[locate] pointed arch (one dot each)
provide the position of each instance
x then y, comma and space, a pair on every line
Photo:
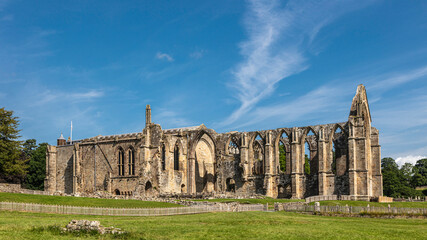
163, 156
176, 154
131, 160
121, 161
282, 151
232, 146
204, 169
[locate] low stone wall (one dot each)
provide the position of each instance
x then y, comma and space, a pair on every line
336, 197
383, 199
288, 205
16, 188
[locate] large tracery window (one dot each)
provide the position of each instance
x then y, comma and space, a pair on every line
233, 148
121, 163
176, 157
131, 162
258, 167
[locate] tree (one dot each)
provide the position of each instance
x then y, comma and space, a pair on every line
420, 173
406, 173
396, 182
29, 146
36, 168
391, 181
282, 157
12, 160
307, 165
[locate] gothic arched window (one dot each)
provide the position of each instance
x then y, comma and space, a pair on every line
163, 157
176, 157
121, 163
131, 162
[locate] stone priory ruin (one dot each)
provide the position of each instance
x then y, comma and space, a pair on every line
342, 159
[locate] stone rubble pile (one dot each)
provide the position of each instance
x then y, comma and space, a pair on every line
87, 225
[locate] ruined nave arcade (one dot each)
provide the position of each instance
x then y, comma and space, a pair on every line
331, 159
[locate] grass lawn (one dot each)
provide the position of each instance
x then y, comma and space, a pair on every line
82, 201
374, 204
270, 201
243, 225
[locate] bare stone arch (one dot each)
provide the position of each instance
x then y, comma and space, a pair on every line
205, 161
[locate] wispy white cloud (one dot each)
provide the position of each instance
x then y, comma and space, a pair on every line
275, 49
409, 159
322, 99
164, 56
392, 80
49, 96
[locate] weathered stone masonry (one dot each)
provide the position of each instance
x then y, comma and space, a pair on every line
198, 160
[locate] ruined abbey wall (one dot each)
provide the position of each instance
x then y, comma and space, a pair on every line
342, 159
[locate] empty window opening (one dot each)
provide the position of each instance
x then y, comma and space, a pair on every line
121, 163
131, 162
176, 157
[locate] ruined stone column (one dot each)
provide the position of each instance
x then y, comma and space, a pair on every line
191, 178
76, 167
377, 182
322, 156
244, 157
296, 165
271, 189
50, 181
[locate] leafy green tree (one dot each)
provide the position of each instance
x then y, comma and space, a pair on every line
391, 181
12, 162
307, 165
406, 173
29, 146
282, 157
36, 168
420, 173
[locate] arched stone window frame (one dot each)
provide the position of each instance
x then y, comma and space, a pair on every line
121, 161
286, 142
131, 160
312, 146
176, 156
331, 147
254, 162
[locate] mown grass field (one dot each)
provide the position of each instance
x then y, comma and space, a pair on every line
82, 201
374, 204
243, 225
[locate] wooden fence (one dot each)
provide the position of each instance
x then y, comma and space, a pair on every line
354, 210
58, 209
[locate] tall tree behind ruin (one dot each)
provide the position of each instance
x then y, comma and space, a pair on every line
36, 164
12, 159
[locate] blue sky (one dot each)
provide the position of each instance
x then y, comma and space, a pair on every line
232, 65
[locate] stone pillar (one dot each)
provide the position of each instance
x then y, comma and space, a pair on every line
352, 156
147, 115
76, 167
322, 155
270, 183
377, 183
296, 173
244, 157
191, 178
50, 181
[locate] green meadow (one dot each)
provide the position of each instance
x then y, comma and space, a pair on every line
243, 225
